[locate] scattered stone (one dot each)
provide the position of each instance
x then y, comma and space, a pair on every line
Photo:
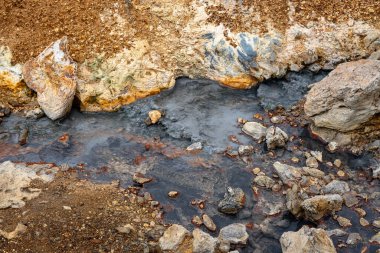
125, 229
140, 178
208, 222
68, 208
256, 130
195, 146
332, 146
35, 113
293, 201
233, 201
318, 206
53, 76
23, 137
311, 162
336, 187
154, 117
276, 138
256, 170
363, 222
203, 242
375, 239
350, 199
318, 155
344, 222
338, 163
173, 237
376, 223
234, 234
173, 194
20, 229
245, 150
288, 174
341, 173
295, 160
264, 181
353, 238
313, 172
307, 240
376, 173
277, 119
197, 221
337, 232
361, 212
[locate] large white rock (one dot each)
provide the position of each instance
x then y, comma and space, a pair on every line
173, 237
53, 76
307, 240
203, 242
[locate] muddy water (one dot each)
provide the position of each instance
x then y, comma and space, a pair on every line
113, 146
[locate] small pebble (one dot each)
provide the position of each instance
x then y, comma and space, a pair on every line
256, 171
363, 222
173, 194
338, 163
344, 222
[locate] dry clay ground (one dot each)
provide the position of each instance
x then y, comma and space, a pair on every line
73, 215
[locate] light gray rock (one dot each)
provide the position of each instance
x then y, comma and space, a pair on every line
336, 186
318, 155
287, 173
245, 150
256, 130
35, 113
312, 162
307, 240
203, 242
233, 201
375, 238
336, 232
173, 237
234, 234
318, 206
53, 76
195, 146
353, 238
276, 138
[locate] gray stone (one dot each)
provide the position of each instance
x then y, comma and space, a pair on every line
234, 234
318, 206
336, 232
35, 113
276, 138
287, 173
203, 242
233, 201
195, 146
336, 186
312, 162
318, 155
173, 237
353, 238
256, 130
245, 150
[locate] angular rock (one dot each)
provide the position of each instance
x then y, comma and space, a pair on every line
318, 155
336, 186
336, 232
312, 162
195, 146
276, 138
233, 234
20, 229
353, 238
203, 242
208, 222
245, 150
173, 237
344, 222
53, 76
233, 201
141, 178
154, 116
375, 239
256, 130
293, 201
287, 173
264, 181
307, 240
318, 206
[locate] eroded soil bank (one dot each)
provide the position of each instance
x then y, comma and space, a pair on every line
104, 147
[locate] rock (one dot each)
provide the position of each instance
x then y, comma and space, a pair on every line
336, 186
318, 206
53, 76
376, 223
154, 116
336, 232
195, 146
293, 201
264, 181
256, 130
277, 119
307, 240
173, 194
361, 212
337, 163
332, 146
318, 155
141, 179
346, 99
67, 208
256, 170
375, 239
208, 222
350, 199
233, 234
353, 238
245, 150
35, 113
15, 180
233, 201
313, 172
203, 242
276, 138
173, 237
20, 229
288, 174
125, 229
376, 173
363, 222
197, 221
344, 222
311, 162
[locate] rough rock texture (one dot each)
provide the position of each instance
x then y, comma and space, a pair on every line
345, 101
203, 242
173, 237
276, 138
318, 206
15, 180
234, 234
307, 240
287, 173
256, 130
53, 76
233, 201
131, 49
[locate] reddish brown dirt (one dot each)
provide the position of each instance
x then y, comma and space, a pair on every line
90, 226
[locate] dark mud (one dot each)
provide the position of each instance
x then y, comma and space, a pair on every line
109, 146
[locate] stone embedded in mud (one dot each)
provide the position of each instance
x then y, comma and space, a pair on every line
154, 117
345, 100
173, 237
256, 130
15, 180
233, 234
307, 240
203, 242
287, 173
141, 179
53, 76
336, 186
318, 206
276, 138
233, 201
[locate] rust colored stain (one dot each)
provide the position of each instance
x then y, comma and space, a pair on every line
240, 82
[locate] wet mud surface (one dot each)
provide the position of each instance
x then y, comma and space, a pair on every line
113, 146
